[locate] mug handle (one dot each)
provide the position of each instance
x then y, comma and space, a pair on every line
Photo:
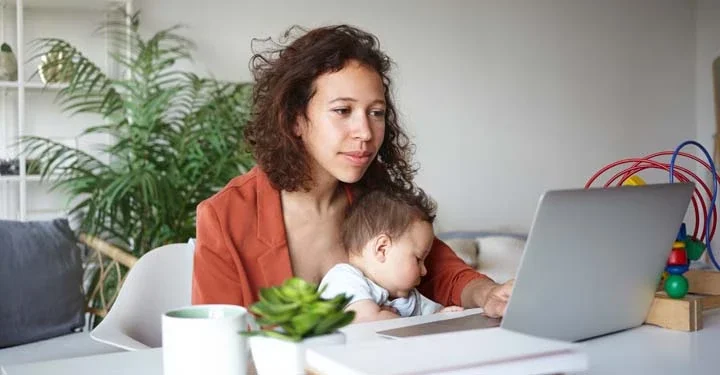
252, 324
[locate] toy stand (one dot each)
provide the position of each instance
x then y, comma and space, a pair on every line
685, 292
686, 314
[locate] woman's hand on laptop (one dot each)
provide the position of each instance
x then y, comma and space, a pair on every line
489, 295
497, 300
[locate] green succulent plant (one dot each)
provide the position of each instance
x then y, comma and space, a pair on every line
296, 310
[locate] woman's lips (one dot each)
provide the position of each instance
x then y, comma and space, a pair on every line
359, 158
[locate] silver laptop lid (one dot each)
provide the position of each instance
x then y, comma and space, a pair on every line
593, 259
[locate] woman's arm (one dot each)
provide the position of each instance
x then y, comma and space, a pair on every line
450, 281
217, 269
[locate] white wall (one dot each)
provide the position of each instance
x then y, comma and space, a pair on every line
504, 99
708, 48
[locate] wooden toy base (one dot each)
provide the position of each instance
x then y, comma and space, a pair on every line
686, 314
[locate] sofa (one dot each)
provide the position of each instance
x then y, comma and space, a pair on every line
495, 254
42, 300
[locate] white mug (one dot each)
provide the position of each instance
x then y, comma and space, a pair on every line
206, 339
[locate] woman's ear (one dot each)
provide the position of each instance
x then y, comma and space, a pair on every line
300, 125
381, 246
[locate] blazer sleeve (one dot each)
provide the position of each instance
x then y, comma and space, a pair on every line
447, 275
218, 273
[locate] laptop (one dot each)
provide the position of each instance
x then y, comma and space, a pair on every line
591, 265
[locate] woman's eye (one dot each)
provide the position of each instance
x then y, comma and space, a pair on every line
342, 111
378, 113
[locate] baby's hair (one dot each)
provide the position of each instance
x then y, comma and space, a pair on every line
377, 212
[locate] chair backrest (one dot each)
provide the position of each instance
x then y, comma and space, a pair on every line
158, 282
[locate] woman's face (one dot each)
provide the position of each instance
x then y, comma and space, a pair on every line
345, 123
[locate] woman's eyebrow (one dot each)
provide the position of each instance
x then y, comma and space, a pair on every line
349, 99
343, 99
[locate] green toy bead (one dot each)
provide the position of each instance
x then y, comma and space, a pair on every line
676, 286
694, 248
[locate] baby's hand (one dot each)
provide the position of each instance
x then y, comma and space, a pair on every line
389, 308
451, 309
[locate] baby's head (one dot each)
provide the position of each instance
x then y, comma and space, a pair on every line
388, 237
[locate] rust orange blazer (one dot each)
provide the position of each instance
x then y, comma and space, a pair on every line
241, 247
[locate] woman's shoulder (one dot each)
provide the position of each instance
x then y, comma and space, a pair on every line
242, 190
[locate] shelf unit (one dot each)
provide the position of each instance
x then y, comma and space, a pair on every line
27, 107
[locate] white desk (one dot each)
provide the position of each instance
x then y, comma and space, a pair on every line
643, 350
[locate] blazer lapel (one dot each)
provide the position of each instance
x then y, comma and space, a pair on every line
274, 262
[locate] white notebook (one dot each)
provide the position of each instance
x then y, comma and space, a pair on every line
480, 351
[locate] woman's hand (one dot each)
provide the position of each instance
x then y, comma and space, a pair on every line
489, 295
389, 308
496, 301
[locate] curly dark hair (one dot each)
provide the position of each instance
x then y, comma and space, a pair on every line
284, 77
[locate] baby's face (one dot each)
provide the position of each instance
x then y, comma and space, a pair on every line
405, 259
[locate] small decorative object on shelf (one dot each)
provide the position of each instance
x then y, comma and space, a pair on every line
33, 167
294, 317
56, 67
9, 167
8, 64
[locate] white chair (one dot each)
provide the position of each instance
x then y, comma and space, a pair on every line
159, 281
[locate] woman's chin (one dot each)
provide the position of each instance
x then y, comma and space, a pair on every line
350, 175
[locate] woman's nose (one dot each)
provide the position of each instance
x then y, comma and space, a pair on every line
361, 128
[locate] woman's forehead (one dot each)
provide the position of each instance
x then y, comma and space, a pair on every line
353, 82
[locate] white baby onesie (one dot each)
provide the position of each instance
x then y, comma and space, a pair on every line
348, 279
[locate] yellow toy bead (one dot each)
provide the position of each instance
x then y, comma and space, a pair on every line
634, 180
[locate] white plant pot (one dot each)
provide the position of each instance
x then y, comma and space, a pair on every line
273, 356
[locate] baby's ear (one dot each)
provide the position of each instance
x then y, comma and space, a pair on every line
380, 247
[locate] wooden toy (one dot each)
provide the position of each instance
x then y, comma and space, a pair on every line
684, 293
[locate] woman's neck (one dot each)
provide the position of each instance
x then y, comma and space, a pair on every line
320, 197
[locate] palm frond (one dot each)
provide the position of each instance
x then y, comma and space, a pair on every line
176, 137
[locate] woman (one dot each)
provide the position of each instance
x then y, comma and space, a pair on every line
324, 128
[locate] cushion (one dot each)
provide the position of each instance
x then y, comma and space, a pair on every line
41, 294
499, 256
465, 248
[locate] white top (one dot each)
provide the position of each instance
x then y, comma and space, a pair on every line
348, 279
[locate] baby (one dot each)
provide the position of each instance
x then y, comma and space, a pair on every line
387, 240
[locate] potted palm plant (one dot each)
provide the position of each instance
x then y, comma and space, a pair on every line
175, 137
294, 316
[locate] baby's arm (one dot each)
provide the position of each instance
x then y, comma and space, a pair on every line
451, 309
343, 278
368, 311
